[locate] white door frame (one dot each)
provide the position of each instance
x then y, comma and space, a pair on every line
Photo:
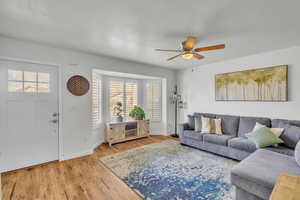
59, 67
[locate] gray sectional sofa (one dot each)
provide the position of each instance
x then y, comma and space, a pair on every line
256, 175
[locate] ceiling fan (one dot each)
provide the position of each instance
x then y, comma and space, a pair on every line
187, 50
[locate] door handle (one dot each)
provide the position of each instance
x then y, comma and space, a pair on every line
54, 121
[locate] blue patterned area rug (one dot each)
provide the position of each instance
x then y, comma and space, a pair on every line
170, 171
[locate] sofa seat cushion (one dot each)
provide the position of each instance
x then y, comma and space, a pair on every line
257, 173
242, 144
217, 139
282, 150
247, 124
193, 135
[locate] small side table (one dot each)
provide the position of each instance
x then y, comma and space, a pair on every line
287, 187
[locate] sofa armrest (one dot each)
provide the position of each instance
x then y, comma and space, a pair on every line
182, 127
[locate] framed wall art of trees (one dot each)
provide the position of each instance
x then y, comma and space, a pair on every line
265, 84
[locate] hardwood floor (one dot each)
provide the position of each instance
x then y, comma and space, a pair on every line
83, 178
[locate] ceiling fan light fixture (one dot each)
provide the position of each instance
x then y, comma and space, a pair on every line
188, 56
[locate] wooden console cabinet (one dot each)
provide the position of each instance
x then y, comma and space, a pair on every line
123, 131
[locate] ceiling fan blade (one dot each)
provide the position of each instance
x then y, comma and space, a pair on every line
168, 50
174, 57
198, 56
215, 47
189, 43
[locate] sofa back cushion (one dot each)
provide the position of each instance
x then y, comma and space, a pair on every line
290, 135
230, 124
208, 115
191, 122
247, 124
277, 122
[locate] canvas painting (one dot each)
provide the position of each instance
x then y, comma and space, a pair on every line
266, 84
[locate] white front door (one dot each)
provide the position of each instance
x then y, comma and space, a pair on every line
28, 114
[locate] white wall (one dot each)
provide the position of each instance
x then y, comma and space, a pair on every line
77, 134
198, 87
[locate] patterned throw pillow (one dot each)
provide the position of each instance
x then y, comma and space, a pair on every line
212, 126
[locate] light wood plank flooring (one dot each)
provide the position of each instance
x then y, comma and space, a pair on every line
83, 178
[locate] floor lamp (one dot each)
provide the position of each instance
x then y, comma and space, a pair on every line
176, 100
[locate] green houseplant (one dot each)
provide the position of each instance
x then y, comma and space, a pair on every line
137, 113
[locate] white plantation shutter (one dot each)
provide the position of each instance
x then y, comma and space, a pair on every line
153, 99
116, 94
124, 91
96, 99
131, 93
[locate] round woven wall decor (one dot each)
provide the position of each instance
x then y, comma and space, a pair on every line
78, 85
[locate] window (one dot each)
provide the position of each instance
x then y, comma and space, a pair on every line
131, 97
96, 99
124, 91
29, 82
153, 99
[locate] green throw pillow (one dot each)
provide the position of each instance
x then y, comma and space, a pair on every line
263, 137
198, 124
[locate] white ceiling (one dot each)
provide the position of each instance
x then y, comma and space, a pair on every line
132, 29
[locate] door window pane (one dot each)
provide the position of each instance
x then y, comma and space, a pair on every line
43, 87
43, 77
14, 86
14, 75
32, 81
30, 76
29, 87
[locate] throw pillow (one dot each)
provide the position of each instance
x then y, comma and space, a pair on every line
218, 126
276, 131
297, 153
206, 126
212, 126
198, 124
290, 135
263, 137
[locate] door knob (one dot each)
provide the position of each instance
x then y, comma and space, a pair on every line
54, 114
54, 121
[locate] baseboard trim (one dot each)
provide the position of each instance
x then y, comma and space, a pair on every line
95, 145
77, 155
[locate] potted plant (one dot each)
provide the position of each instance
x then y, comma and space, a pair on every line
137, 113
118, 110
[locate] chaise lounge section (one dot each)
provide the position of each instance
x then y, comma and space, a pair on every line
256, 175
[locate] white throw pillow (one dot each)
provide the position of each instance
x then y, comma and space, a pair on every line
276, 131
205, 125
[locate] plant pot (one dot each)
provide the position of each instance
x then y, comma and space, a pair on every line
119, 119
138, 117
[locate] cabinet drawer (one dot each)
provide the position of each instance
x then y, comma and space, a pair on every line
116, 132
